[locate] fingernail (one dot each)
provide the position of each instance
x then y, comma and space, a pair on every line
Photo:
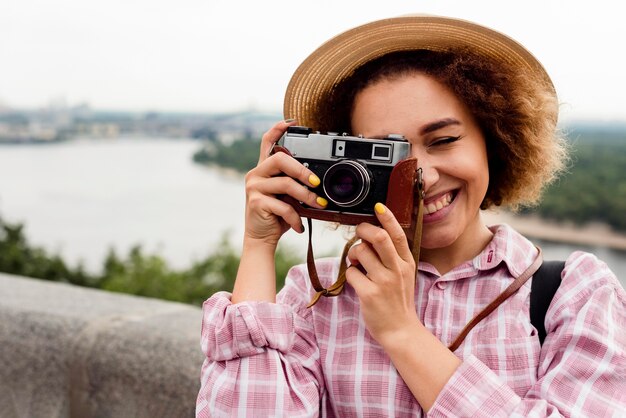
314, 180
301, 228
289, 120
321, 201
379, 208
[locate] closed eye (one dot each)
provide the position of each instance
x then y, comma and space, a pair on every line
445, 140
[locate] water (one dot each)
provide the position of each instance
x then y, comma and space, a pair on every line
82, 197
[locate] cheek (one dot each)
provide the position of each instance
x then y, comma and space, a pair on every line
482, 176
474, 167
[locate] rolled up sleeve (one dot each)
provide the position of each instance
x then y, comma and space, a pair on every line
262, 358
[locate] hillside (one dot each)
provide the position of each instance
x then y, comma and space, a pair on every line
593, 189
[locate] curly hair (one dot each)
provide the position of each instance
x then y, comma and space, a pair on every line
516, 113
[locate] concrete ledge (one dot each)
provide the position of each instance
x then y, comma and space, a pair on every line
68, 351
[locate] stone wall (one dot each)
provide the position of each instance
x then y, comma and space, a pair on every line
68, 351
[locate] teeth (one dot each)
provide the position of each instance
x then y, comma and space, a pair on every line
441, 203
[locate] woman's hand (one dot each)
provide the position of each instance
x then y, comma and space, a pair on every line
267, 217
385, 283
386, 292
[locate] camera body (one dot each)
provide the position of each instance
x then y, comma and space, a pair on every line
355, 172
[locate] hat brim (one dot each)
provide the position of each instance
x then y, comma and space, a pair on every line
339, 57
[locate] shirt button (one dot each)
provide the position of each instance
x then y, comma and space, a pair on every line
441, 285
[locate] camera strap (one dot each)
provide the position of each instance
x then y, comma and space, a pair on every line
413, 233
336, 288
406, 179
510, 290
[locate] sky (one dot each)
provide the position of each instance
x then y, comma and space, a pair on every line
230, 55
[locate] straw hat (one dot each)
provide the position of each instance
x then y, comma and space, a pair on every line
339, 57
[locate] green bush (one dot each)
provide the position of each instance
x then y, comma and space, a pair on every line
137, 273
242, 154
594, 189
17, 256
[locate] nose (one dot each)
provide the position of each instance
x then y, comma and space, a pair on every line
430, 172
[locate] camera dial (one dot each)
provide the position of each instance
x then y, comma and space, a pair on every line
299, 130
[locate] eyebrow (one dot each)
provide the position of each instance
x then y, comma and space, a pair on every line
428, 128
431, 127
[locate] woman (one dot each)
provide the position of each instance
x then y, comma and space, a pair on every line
480, 113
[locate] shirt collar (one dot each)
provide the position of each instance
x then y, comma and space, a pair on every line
507, 246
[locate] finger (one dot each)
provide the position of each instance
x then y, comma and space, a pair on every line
281, 163
359, 281
272, 136
269, 204
395, 232
365, 258
386, 241
288, 186
381, 243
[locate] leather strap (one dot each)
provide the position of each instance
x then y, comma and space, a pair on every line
336, 288
510, 290
415, 233
405, 181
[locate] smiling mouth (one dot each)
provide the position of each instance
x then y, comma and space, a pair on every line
439, 204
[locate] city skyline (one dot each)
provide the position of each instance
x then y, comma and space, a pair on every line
219, 56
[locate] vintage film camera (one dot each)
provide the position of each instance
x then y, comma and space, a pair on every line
356, 173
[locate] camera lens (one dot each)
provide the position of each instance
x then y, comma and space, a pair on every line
347, 183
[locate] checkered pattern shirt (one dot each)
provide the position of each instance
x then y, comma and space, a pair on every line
284, 360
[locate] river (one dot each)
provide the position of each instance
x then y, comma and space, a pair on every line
80, 198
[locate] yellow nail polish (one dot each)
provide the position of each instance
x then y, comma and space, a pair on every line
322, 202
379, 208
314, 180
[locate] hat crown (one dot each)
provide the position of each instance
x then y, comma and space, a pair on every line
339, 57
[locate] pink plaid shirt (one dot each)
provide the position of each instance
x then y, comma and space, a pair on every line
265, 359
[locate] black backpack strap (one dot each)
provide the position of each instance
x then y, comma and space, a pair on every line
544, 285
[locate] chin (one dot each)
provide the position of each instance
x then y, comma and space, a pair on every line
430, 242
